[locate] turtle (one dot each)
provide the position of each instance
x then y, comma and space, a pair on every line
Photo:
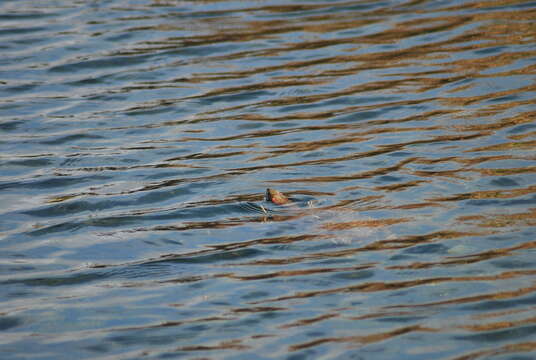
339, 223
276, 197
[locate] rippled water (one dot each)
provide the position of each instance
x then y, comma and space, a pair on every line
137, 138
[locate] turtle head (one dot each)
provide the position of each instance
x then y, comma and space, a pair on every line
276, 197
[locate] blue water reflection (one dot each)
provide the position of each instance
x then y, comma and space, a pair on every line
138, 137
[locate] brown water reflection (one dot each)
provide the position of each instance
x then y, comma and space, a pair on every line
137, 145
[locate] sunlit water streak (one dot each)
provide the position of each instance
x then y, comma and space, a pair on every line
137, 139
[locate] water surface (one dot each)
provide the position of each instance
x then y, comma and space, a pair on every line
137, 139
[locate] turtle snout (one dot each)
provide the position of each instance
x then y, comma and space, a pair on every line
268, 195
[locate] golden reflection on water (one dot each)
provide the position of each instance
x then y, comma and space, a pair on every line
404, 133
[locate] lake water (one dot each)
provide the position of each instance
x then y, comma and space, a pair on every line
138, 137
